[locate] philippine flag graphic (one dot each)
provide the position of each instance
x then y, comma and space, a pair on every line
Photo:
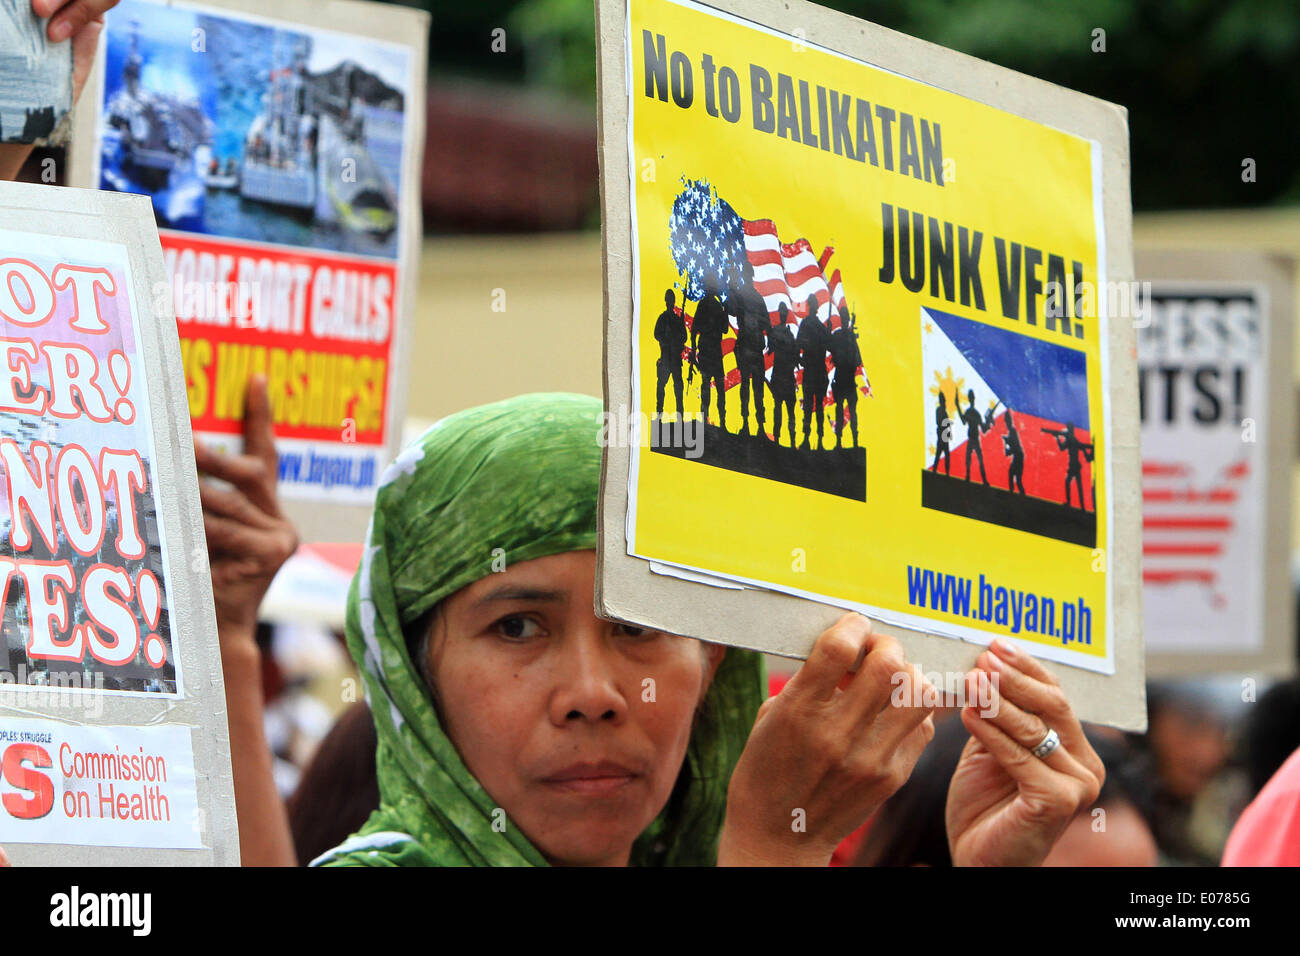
1008, 437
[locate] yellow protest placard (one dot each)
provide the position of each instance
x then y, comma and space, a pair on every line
870, 359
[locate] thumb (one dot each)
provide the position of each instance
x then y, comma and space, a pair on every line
84, 43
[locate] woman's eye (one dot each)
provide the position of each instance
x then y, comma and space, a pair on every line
517, 628
631, 630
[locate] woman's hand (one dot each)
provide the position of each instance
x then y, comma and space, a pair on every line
249, 538
827, 751
1007, 807
85, 40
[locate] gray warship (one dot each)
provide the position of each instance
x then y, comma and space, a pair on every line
279, 163
307, 151
156, 143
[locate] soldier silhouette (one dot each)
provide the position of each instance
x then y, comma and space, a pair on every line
1075, 450
813, 341
670, 333
785, 356
943, 434
847, 358
752, 323
1011, 445
1088, 453
975, 424
707, 330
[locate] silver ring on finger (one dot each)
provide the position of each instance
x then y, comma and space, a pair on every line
1047, 744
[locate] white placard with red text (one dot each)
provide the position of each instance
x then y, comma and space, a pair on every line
1203, 370
1218, 411
107, 786
114, 745
82, 579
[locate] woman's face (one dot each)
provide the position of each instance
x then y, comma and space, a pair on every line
576, 726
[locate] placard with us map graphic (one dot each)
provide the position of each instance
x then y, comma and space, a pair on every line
1214, 354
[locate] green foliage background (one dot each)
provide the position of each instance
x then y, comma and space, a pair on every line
1206, 83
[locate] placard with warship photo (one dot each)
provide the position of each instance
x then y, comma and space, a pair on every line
282, 158
246, 129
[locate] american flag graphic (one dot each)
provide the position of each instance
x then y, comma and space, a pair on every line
789, 273
713, 244
1185, 528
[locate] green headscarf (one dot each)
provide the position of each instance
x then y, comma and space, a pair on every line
522, 476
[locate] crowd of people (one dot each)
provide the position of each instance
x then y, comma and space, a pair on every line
505, 723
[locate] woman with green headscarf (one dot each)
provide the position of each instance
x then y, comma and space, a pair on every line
516, 728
